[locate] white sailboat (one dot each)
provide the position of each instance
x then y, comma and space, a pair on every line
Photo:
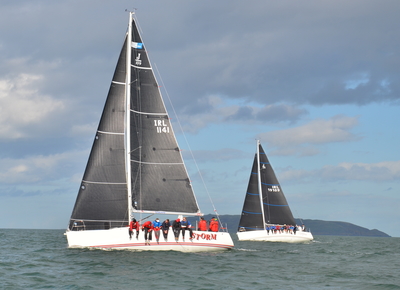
135, 168
266, 215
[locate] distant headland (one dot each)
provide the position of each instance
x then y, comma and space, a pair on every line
317, 227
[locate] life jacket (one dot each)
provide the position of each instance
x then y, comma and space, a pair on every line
185, 224
148, 225
214, 226
202, 225
156, 225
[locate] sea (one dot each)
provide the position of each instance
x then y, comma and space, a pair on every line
40, 259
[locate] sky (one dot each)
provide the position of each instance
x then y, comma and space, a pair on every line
317, 82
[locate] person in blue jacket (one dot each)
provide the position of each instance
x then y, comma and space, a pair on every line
185, 225
156, 229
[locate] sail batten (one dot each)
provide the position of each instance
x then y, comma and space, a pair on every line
111, 133
139, 67
94, 182
147, 113
158, 163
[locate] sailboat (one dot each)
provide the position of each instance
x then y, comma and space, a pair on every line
135, 168
266, 215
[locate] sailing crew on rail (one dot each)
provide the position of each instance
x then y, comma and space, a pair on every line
202, 225
147, 228
214, 224
165, 228
176, 228
157, 227
185, 225
134, 225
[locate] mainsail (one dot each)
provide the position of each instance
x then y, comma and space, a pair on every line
159, 178
264, 202
135, 164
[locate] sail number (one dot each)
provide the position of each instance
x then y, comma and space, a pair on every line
161, 126
274, 188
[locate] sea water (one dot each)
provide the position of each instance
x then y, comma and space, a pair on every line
40, 259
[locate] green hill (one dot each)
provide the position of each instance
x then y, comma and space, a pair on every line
317, 227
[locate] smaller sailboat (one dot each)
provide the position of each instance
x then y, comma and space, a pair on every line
266, 215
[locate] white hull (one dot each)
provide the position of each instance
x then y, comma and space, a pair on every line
299, 237
118, 238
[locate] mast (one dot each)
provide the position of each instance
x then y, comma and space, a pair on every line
259, 183
127, 115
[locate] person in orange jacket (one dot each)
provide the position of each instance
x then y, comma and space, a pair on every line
202, 224
147, 228
214, 225
134, 225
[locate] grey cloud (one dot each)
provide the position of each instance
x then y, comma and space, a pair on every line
373, 172
336, 129
271, 113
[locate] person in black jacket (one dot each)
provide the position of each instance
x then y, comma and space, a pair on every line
165, 228
176, 228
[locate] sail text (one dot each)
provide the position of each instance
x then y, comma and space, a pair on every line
161, 126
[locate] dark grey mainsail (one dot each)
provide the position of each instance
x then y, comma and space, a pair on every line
269, 208
159, 178
135, 164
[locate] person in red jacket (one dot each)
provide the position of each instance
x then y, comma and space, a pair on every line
134, 225
147, 228
202, 224
214, 225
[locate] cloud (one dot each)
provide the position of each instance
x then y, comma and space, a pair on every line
269, 113
220, 110
346, 171
311, 54
41, 169
381, 171
23, 106
317, 132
